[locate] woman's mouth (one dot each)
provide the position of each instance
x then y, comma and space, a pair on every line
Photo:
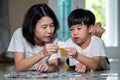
48, 37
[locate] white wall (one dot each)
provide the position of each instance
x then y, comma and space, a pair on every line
4, 26
17, 10
11, 17
113, 52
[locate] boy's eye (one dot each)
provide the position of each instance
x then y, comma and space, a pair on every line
78, 28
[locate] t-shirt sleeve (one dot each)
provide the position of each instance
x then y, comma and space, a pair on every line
16, 43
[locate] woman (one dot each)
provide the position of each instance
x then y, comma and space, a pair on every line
34, 45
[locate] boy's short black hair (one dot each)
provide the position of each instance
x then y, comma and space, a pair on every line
81, 16
35, 13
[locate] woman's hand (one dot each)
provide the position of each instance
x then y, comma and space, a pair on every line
42, 67
50, 49
81, 68
97, 29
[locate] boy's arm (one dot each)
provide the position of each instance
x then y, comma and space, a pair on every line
91, 62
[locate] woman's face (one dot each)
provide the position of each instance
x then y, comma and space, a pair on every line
44, 29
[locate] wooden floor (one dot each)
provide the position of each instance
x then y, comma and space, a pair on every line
112, 74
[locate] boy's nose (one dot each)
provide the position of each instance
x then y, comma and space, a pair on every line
75, 32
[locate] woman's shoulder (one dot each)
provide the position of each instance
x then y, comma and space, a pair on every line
18, 31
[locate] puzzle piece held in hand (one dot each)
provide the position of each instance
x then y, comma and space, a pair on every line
63, 52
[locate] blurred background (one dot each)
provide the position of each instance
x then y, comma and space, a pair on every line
106, 11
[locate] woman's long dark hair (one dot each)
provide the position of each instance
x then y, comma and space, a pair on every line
35, 13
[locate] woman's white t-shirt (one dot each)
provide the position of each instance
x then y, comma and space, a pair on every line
19, 44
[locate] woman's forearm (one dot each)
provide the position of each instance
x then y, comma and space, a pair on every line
24, 64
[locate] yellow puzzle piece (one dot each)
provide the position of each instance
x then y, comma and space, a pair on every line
63, 52
64, 57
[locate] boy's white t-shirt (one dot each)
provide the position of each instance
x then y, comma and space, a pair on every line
95, 48
19, 44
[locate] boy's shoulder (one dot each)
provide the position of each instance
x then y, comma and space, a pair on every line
95, 39
69, 40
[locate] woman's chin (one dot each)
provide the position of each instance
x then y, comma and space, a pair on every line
47, 40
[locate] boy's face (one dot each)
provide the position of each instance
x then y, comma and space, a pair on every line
80, 34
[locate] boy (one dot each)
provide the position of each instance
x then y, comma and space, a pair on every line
85, 50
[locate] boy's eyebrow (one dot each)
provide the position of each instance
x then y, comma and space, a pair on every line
79, 25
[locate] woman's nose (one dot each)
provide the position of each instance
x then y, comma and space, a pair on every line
49, 30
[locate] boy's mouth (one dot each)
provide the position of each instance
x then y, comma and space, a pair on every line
76, 38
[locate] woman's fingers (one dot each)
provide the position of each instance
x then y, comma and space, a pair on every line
51, 48
42, 67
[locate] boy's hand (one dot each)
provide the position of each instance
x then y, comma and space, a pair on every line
72, 52
80, 68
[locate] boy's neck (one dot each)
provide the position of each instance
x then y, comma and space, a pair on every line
86, 43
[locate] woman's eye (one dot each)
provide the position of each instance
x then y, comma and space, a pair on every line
44, 27
71, 29
52, 25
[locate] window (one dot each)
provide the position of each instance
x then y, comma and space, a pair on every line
107, 15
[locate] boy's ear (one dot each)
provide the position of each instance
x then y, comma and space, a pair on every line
90, 28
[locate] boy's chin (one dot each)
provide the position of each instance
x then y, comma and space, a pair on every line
76, 42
